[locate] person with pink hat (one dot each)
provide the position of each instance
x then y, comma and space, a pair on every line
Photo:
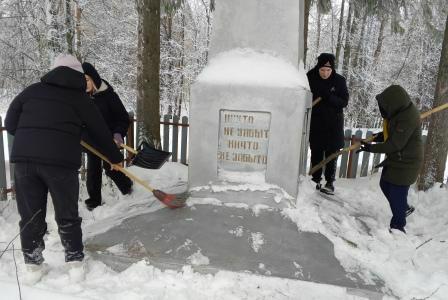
46, 120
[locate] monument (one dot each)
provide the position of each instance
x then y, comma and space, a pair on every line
250, 105
249, 117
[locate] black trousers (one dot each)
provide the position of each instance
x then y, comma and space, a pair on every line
317, 155
32, 183
94, 178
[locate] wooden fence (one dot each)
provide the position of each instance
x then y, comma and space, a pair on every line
174, 138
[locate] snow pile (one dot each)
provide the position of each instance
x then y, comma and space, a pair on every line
250, 67
355, 220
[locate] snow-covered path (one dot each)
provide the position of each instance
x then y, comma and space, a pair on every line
356, 221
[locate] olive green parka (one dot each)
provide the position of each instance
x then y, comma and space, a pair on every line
403, 147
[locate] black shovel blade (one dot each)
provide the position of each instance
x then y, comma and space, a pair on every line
150, 158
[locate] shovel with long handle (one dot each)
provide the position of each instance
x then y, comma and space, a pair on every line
132, 150
357, 145
147, 157
169, 200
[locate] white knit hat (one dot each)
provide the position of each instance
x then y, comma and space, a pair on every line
67, 60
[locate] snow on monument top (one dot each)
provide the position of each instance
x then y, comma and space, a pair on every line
250, 67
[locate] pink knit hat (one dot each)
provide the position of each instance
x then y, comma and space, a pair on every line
67, 60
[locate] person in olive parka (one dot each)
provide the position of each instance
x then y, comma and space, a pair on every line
47, 120
117, 119
402, 143
327, 120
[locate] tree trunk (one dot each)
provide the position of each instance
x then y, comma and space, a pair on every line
379, 44
318, 29
305, 29
361, 40
167, 78
78, 31
437, 142
341, 23
54, 29
148, 66
70, 28
182, 66
347, 46
209, 30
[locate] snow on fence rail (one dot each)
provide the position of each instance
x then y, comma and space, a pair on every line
174, 138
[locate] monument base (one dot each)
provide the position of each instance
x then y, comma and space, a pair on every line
224, 235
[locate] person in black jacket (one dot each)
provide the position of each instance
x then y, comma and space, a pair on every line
117, 119
46, 120
327, 119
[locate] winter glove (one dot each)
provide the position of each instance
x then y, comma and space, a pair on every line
364, 147
379, 138
118, 139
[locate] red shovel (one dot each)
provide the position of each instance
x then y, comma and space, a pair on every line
170, 200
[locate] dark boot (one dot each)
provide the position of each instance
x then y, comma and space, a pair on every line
91, 204
410, 210
328, 188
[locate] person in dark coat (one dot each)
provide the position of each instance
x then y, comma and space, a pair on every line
117, 119
46, 120
401, 141
327, 119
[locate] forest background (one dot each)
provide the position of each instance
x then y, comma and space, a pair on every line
152, 51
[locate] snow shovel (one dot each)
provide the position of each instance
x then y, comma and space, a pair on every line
147, 157
357, 145
170, 200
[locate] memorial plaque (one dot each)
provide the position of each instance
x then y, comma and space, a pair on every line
243, 141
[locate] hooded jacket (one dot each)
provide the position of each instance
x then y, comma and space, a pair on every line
403, 147
111, 108
47, 119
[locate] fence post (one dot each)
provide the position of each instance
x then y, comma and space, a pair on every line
166, 133
344, 158
175, 137
11, 166
3, 182
365, 159
353, 158
130, 140
183, 146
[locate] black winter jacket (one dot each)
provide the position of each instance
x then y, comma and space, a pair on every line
327, 119
47, 119
112, 109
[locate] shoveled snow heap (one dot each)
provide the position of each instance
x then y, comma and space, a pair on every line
355, 220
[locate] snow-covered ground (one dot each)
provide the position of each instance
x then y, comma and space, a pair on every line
413, 266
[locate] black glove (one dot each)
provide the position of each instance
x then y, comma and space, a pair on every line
364, 147
379, 138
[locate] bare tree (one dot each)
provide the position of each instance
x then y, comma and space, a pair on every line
341, 23
437, 143
347, 45
148, 66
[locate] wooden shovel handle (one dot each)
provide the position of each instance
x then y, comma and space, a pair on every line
434, 110
120, 168
132, 150
357, 145
316, 101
